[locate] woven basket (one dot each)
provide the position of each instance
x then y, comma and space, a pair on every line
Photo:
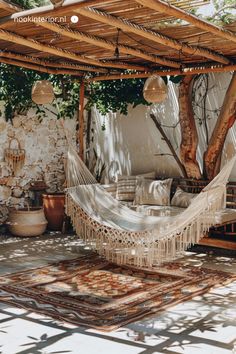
14, 157
155, 89
42, 92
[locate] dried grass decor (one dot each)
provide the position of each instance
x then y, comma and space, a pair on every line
155, 89
14, 157
42, 92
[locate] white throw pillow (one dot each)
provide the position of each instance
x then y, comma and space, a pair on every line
182, 199
153, 192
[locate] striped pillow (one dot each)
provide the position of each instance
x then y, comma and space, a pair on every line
126, 185
111, 188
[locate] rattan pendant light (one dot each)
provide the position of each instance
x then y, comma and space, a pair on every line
57, 3
155, 89
42, 92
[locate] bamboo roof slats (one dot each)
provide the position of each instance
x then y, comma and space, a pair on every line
151, 35
150, 39
167, 8
114, 5
39, 68
103, 43
48, 64
28, 42
46, 10
8, 8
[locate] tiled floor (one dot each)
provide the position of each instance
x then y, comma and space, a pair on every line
206, 324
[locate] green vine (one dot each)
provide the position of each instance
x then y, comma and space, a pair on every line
30, 4
116, 96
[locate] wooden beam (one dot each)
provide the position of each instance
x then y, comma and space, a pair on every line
220, 243
39, 68
128, 26
167, 8
105, 44
9, 7
48, 10
81, 120
28, 42
48, 63
185, 71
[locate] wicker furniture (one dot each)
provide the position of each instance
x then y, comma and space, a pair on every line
224, 235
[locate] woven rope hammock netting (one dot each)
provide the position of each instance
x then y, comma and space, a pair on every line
127, 237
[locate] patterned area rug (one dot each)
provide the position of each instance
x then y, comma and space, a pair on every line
91, 292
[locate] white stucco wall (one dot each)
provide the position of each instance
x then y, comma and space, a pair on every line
129, 143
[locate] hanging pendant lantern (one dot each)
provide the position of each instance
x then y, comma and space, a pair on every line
155, 89
57, 3
42, 92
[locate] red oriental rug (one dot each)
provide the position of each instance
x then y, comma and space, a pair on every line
92, 292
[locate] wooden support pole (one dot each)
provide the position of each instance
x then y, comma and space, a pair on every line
80, 136
168, 143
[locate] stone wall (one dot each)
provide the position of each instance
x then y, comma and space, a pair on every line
45, 146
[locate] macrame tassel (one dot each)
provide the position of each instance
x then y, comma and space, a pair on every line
121, 235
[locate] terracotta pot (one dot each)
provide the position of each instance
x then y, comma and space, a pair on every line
54, 209
27, 222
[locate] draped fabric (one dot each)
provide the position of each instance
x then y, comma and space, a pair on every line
125, 236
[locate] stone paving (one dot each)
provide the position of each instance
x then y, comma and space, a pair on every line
206, 324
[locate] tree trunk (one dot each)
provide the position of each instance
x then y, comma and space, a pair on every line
189, 142
225, 121
168, 143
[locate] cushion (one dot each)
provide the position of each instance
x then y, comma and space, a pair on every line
126, 186
111, 188
153, 192
225, 216
182, 199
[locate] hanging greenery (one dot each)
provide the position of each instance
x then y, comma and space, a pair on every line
108, 96
15, 91
30, 4
116, 95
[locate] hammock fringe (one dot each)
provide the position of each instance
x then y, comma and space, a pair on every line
126, 237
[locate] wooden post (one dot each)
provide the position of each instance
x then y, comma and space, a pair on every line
80, 118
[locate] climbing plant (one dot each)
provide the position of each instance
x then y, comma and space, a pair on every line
29, 4
15, 91
114, 96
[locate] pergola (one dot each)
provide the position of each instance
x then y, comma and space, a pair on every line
115, 39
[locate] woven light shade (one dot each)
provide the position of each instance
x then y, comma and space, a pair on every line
57, 3
155, 89
42, 92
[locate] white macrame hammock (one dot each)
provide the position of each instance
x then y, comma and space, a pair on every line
124, 236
